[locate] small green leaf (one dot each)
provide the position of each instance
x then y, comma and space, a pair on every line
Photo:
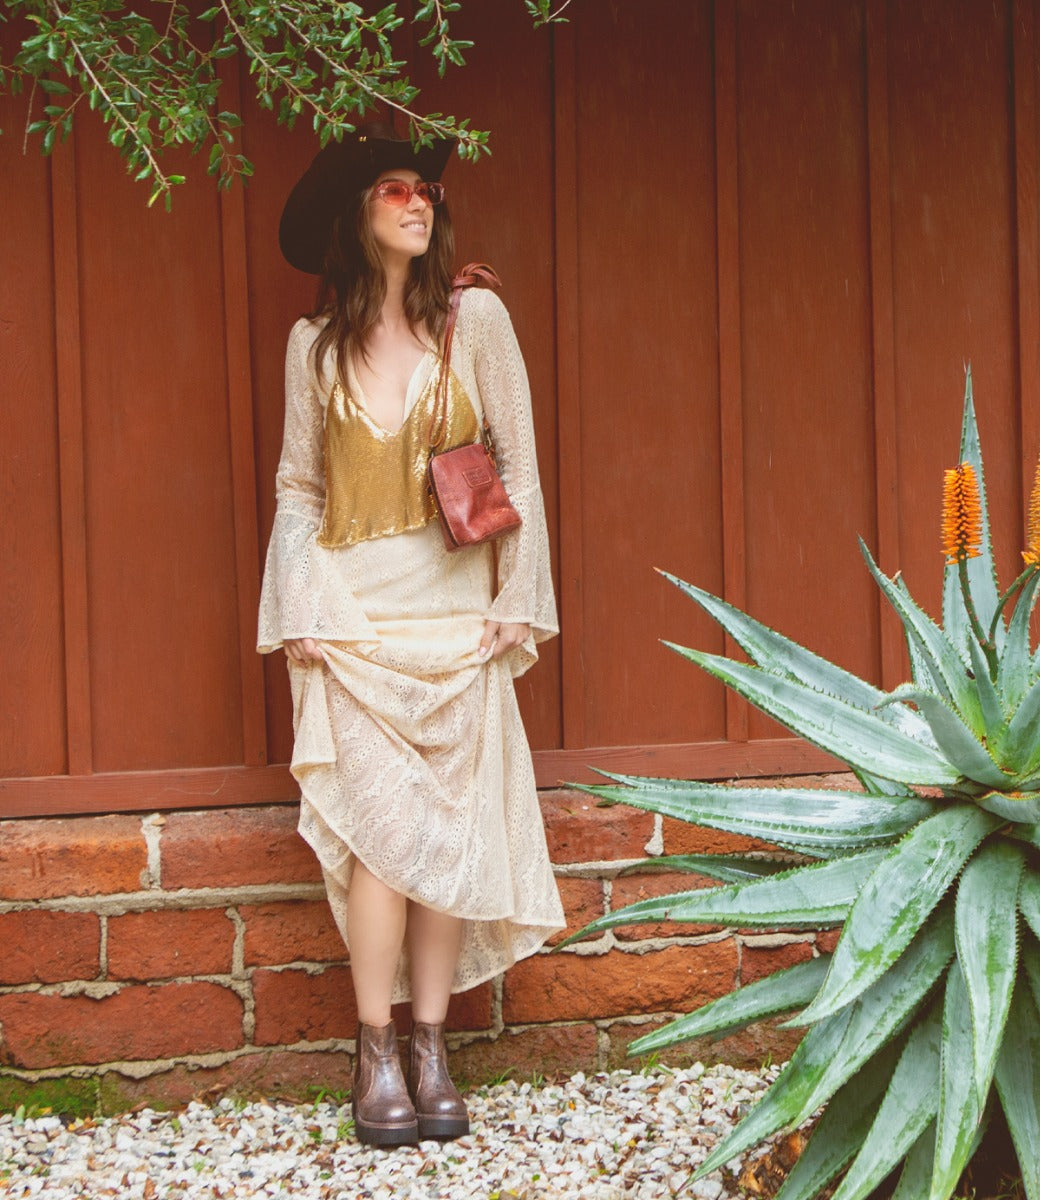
1016, 659
1019, 746
1029, 899
896, 900
729, 868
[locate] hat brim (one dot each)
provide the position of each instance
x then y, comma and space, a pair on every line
339, 171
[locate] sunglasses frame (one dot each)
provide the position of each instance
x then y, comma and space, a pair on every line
422, 189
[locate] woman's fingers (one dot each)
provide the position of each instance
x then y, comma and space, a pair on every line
500, 638
302, 650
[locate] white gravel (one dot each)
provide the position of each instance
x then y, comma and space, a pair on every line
599, 1137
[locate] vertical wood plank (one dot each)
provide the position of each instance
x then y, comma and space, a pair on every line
881, 292
243, 461
568, 386
79, 724
731, 428
1024, 35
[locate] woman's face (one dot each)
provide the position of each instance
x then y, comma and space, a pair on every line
402, 231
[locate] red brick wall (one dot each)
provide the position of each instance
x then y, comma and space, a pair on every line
158, 957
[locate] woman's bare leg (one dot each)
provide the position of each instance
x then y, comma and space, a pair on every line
376, 919
434, 941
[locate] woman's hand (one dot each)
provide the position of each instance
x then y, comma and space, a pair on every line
499, 638
302, 651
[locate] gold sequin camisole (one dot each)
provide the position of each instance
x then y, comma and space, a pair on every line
375, 478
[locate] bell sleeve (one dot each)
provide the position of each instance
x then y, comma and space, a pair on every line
303, 593
525, 590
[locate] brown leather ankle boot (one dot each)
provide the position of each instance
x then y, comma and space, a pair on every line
383, 1113
438, 1105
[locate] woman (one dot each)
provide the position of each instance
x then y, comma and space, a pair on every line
417, 790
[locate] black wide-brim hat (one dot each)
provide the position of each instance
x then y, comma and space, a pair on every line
340, 171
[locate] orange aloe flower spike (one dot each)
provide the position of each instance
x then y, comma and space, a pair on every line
1031, 553
962, 514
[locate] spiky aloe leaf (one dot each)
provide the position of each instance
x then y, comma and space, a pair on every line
991, 705
906, 1111
729, 868
987, 948
1014, 672
781, 992
982, 575
833, 1050
842, 1128
1024, 810
960, 1109
820, 893
804, 819
1029, 900
917, 1170
1031, 967
946, 665
896, 900
1019, 750
860, 738
954, 738
773, 652
1018, 1085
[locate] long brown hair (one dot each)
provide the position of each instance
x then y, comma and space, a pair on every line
353, 285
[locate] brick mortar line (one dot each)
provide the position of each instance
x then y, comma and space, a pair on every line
145, 1068
118, 903
238, 977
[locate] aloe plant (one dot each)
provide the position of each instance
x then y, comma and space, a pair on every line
927, 1013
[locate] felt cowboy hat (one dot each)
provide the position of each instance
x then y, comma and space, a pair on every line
339, 171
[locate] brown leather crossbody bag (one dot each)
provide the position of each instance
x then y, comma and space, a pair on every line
471, 499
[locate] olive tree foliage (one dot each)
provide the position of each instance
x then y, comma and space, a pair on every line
155, 75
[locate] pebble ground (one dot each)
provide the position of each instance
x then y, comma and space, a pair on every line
599, 1137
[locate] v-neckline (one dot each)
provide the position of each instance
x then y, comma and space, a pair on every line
357, 393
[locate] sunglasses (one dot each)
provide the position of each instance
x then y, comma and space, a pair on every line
397, 193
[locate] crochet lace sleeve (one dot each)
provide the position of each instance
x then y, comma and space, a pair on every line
303, 593
525, 590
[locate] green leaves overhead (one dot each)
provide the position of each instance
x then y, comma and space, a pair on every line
155, 76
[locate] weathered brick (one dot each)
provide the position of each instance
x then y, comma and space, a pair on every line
682, 838
71, 856
580, 830
133, 1023
49, 947
582, 902
165, 944
296, 1006
548, 1051
756, 962
630, 889
550, 987
283, 1073
235, 847
827, 939
291, 931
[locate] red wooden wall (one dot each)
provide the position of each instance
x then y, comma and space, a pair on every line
748, 248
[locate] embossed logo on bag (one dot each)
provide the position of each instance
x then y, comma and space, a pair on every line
477, 477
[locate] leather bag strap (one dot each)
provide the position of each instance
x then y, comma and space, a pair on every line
471, 275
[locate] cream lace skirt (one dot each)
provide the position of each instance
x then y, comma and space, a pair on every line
411, 757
